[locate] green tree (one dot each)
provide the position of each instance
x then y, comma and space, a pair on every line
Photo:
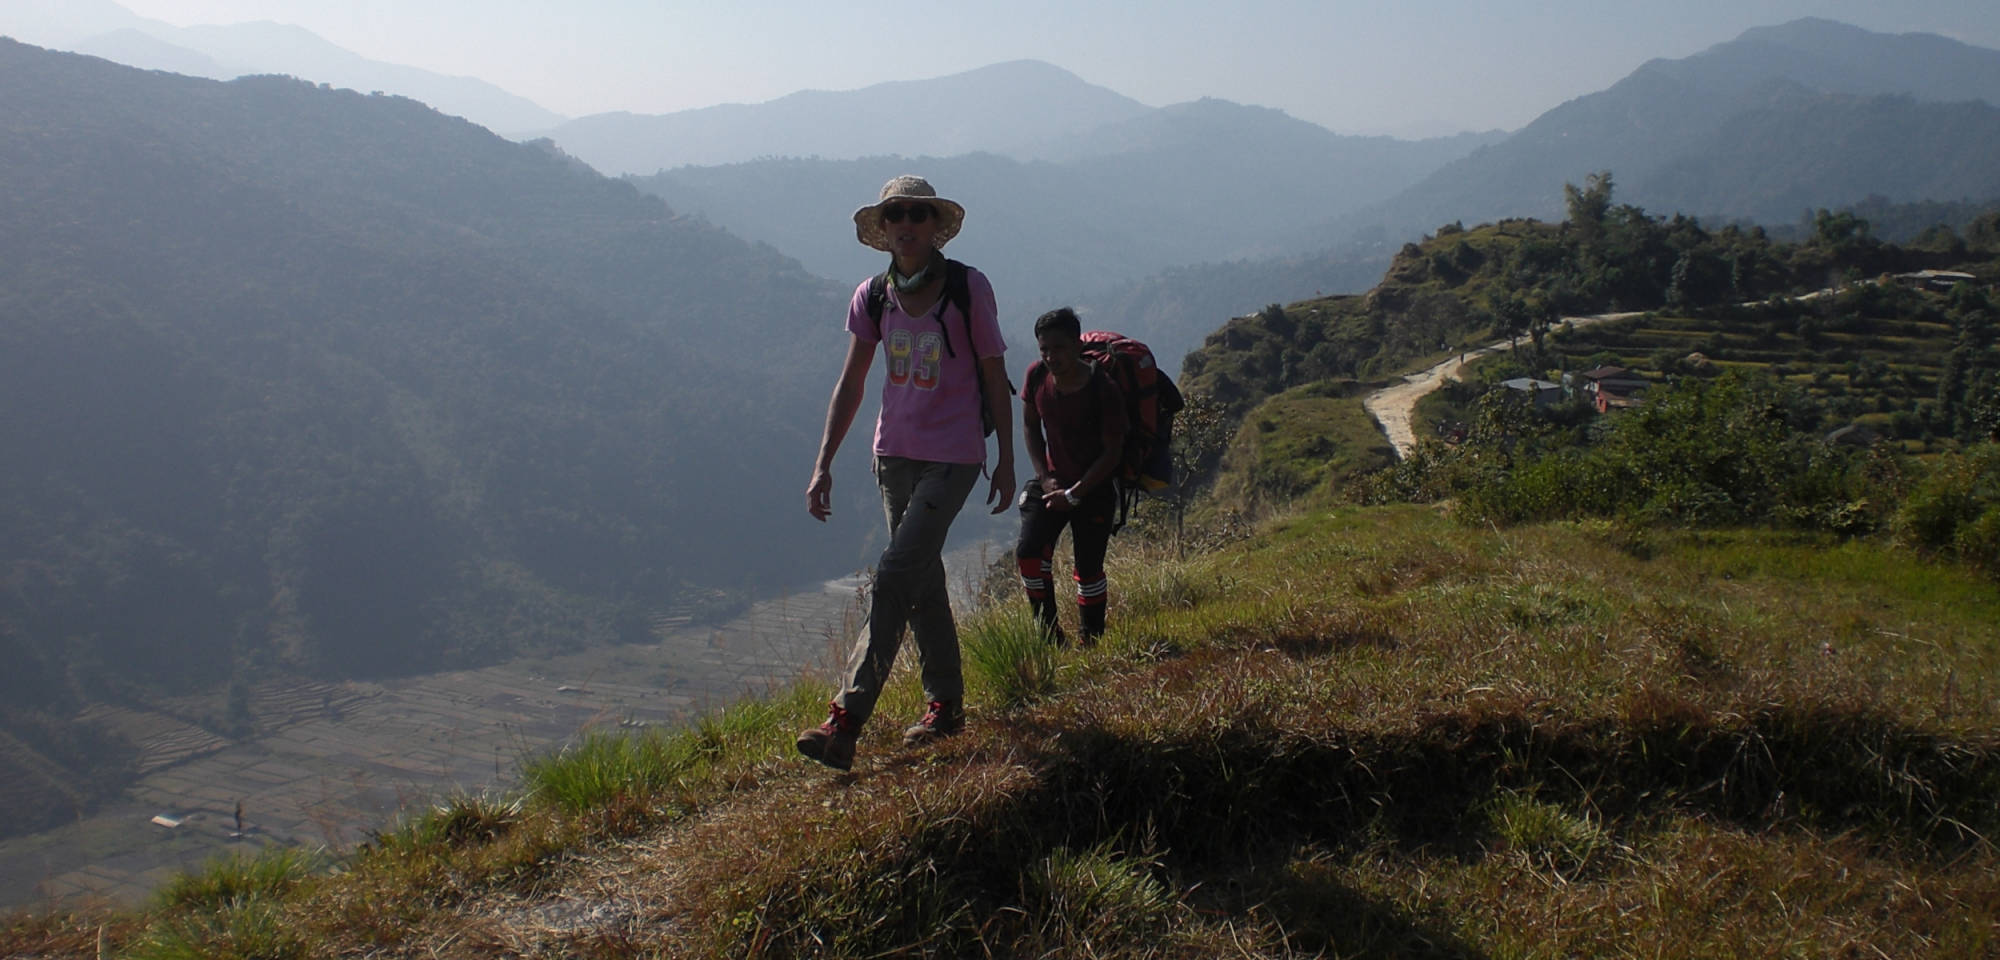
1983, 233
1588, 205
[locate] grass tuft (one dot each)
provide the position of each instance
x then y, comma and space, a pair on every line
459, 821
1011, 660
1164, 586
1098, 895
238, 878
245, 928
1544, 833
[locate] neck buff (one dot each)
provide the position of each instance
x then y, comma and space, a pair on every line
913, 281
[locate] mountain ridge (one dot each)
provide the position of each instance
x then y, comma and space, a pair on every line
223, 52
964, 112
1659, 114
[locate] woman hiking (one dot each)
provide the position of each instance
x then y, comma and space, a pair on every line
939, 333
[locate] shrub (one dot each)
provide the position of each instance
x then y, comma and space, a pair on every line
1736, 449
1955, 508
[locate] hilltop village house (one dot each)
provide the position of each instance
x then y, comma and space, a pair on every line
1607, 388
1940, 280
1543, 392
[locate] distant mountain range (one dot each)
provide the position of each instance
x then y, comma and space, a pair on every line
1767, 126
104, 29
1196, 182
1206, 182
308, 380
1014, 109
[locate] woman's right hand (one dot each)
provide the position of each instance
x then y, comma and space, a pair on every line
819, 495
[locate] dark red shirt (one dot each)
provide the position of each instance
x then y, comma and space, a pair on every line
1076, 427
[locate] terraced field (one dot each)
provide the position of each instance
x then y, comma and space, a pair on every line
338, 761
1868, 369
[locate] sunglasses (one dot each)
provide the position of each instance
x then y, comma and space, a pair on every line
917, 212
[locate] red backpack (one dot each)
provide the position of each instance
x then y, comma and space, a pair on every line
1151, 400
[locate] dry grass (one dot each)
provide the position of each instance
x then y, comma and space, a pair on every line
1366, 733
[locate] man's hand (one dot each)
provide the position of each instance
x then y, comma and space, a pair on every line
1001, 493
819, 495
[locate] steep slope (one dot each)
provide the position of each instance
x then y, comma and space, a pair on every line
264, 47
1833, 57
307, 380
1770, 164
1365, 733
221, 52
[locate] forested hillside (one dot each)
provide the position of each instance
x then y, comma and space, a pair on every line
1838, 329
1517, 277
304, 380
1174, 310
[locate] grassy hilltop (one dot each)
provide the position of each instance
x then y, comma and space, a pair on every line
1361, 732
1686, 682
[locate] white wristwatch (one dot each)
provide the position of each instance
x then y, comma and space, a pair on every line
1069, 493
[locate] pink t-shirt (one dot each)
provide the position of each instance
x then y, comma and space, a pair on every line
930, 398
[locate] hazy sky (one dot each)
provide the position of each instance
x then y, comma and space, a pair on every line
1410, 68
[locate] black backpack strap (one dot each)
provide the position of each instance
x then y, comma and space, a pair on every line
957, 292
878, 299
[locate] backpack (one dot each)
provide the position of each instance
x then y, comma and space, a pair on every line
957, 292
1151, 400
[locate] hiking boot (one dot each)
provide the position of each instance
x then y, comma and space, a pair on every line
944, 718
1090, 617
832, 742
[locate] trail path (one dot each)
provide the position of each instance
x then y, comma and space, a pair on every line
1391, 406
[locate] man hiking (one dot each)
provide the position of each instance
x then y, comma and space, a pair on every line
1074, 420
939, 332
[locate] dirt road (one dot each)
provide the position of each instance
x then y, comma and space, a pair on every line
1391, 406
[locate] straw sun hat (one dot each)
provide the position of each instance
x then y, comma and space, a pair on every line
868, 220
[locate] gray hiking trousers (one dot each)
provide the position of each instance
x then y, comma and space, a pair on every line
921, 498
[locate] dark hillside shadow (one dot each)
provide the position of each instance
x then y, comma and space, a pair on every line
1831, 773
